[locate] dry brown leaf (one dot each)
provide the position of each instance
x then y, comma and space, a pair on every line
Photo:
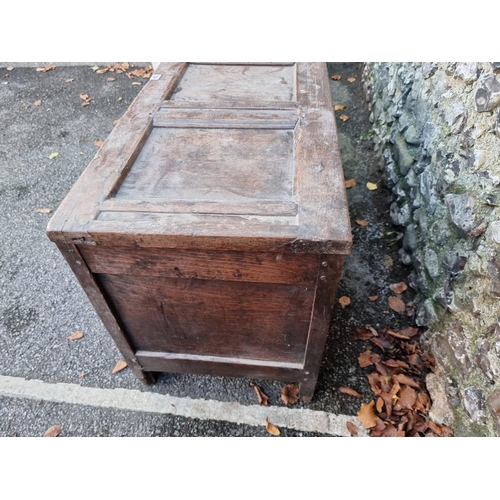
350, 183
111, 79
351, 79
45, 69
339, 107
261, 396
344, 118
404, 379
361, 222
352, 428
83, 374
53, 431
125, 65
380, 404
396, 363
43, 210
350, 392
398, 335
373, 298
368, 358
398, 287
272, 429
336, 77
85, 104
120, 365
371, 186
290, 394
396, 304
69, 80
38, 103
84, 96
10, 68
479, 230
98, 143
75, 336
407, 397
367, 415
409, 331
136, 83
344, 301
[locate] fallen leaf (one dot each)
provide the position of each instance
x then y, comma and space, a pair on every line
38, 103
84, 96
125, 65
367, 415
344, 118
365, 333
53, 431
75, 336
120, 365
339, 107
136, 83
43, 210
405, 380
382, 343
53, 155
352, 428
388, 262
407, 397
82, 375
262, 398
350, 183
398, 287
374, 381
344, 301
368, 358
396, 304
371, 186
98, 144
111, 79
396, 363
102, 71
351, 79
398, 335
350, 392
69, 80
336, 77
94, 68
45, 69
479, 230
379, 405
85, 104
290, 394
409, 331
361, 222
10, 68
272, 429
373, 298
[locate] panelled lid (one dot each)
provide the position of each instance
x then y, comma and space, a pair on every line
217, 156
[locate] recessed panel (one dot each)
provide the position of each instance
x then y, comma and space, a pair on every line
203, 82
223, 165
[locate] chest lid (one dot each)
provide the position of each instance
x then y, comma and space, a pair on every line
235, 156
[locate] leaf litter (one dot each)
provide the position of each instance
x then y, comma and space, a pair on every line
261, 396
396, 376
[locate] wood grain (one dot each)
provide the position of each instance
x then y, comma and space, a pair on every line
218, 318
222, 266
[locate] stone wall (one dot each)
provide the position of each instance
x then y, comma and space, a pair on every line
437, 129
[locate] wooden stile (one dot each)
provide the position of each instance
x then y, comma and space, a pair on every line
209, 230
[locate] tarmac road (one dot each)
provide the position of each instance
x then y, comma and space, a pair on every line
46, 379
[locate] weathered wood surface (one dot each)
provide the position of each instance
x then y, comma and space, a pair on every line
213, 365
248, 320
187, 264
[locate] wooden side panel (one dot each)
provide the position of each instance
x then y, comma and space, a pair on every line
218, 318
234, 81
189, 264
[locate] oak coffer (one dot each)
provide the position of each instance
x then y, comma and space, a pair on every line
209, 230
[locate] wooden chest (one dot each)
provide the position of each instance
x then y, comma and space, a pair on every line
209, 230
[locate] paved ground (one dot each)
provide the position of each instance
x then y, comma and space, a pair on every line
41, 302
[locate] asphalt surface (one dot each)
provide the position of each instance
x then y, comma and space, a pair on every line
41, 303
